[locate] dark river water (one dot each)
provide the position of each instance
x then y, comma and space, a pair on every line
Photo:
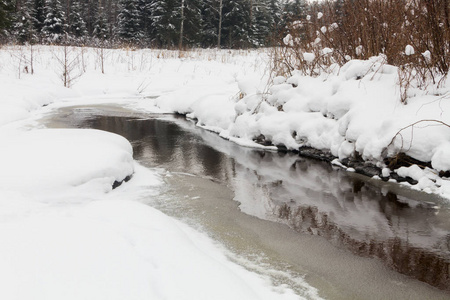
348, 236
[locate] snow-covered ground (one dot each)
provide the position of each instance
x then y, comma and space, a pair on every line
65, 229
66, 233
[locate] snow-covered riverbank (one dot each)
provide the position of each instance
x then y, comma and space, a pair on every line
353, 113
67, 234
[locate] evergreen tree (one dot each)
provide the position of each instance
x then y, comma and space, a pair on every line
55, 22
210, 24
24, 29
192, 22
145, 22
6, 12
90, 10
39, 17
101, 31
294, 10
128, 29
275, 11
165, 22
148, 22
236, 23
77, 25
262, 22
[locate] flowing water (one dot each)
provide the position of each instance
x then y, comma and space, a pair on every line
307, 225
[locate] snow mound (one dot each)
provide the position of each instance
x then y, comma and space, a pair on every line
309, 57
52, 160
441, 158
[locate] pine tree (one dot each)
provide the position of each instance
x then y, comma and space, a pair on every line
101, 31
77, 25
24, 29
210, 24
89, 10
145, 21
294, 10
39, 17
236, 23
165, 22
128, 29
192, 22
6, 12
262, 22
55, 22
275, 11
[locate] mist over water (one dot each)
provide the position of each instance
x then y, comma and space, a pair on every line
289, 215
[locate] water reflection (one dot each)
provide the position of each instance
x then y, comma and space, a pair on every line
348, 211
351, 212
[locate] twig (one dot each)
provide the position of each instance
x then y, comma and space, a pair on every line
412, 126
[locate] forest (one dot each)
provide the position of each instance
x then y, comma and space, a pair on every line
147, 23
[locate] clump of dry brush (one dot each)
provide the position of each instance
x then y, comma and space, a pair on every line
413, 35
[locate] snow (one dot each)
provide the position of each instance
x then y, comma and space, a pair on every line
287, 40
441, 157
427, 55
326, 51
63, 228
409, 50
45, 161
309, 56
115, 249
56, 185
354, 108
359, 50
66, 233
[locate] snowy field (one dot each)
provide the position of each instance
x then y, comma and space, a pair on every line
67, 234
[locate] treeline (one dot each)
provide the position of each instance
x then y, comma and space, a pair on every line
147, 23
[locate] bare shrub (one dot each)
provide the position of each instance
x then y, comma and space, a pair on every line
69, 62
24, 57
333, 32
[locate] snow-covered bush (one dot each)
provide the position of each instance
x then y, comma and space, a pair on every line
416, 39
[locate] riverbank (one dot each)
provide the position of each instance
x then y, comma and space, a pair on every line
350, 116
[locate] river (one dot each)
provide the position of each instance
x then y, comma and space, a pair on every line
301, 222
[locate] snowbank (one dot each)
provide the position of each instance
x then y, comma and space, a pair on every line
357, 109
353, 112
47, 162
